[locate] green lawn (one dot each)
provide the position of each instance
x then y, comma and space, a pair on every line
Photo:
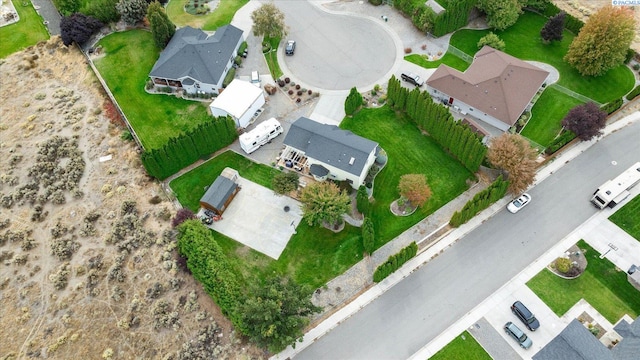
463, 347
190, 187
523, 41
628, 218
409, 152
448, 59
28, 31
547, 115
313, 256
601, 285
155, 118
222, 14
272, 58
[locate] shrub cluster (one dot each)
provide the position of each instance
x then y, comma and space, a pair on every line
395, 262
480, 201
186, 148
563, 139
635, 92
549, 9
434, 118
612, 106
425, 19
563, 265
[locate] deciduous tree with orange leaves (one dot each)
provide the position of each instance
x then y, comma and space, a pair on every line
513, 154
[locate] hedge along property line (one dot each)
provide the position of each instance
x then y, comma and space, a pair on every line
612, 106
480, 201
456, 138
425, 19
634, 93
394, 262
184, 149
561, 140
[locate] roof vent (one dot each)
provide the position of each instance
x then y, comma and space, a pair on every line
352, 160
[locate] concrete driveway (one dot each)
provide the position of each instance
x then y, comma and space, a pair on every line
325, 57
257, 218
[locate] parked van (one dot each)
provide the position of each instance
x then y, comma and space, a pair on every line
255, 78
412, 78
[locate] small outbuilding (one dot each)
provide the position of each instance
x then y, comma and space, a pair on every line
220, 194
241, 100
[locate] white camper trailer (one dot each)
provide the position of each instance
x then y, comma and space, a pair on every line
262, 134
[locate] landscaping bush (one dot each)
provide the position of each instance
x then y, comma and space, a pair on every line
480, 201
290, 92
375, 2
352, 102
362, 200
242, 47
612, 106
394, 262
564, 138
635, 92
563, 265
229, 78
287, 80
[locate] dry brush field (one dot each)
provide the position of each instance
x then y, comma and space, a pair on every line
88, 268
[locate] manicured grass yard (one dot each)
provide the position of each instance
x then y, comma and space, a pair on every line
523, 41
272, 57
221, 15
462, 349
601, 285
628, 217
448, 59
129, 57
313, 256
409, 152
28, 31
547, 114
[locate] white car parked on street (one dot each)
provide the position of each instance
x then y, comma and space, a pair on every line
519, 203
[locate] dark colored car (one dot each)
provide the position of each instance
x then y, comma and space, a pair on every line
515, 332
412, 78
290, 48
528, 319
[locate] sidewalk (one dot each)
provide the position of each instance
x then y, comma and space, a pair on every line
617, 122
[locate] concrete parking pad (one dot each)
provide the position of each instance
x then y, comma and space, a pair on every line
257, 219
489, 338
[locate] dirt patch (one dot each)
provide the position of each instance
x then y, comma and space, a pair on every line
89, 268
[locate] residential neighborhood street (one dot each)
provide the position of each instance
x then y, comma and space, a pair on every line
428, 301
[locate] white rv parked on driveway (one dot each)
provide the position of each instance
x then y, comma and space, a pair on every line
262, 134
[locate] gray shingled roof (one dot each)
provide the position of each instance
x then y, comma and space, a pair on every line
191, 52
495, 83
218, 193
575, 342
629, 347
330, 145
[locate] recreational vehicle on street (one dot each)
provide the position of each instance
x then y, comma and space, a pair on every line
615, 191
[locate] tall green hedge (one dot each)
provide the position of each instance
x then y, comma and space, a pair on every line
453, 18
612, 106
549, 9
394, 262
561, 140
634, 93
186, 148
481, 201
435, 118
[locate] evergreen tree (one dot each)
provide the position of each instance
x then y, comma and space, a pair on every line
161, 27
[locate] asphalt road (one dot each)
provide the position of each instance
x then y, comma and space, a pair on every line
325, 58
414, 312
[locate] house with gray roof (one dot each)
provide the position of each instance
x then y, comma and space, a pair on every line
576, 342
195, 61
328, 152
497, 88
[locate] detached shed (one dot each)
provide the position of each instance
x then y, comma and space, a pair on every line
219, 195
240, 100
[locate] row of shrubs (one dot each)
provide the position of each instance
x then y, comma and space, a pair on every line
183, 150
457, 138
634, 93
426, 20
481, 201
563, 139
549, 9
394, 262
612, 106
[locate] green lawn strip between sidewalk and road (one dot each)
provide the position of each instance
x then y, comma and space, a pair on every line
29, 30
221, 15
129, 57
552, 105
409, 152
523, 41
602, 285
272, 58
448, 59
628, 217
463, 347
